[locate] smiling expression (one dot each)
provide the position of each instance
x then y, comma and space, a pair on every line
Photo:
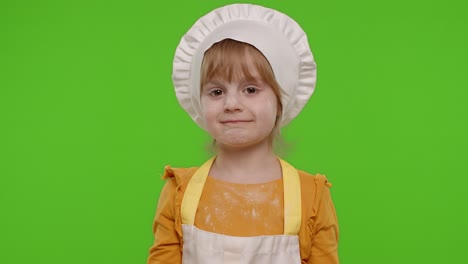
240, 97
239, 113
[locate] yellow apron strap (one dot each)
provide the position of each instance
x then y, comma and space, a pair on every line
292, 199
292, 196
193, 193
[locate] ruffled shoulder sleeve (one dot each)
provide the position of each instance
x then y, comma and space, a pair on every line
319, 229
177, 180
167, 225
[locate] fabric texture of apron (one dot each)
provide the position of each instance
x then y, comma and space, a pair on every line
203, 247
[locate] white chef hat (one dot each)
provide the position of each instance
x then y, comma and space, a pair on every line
278, 37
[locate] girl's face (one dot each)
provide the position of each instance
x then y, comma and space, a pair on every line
240, 113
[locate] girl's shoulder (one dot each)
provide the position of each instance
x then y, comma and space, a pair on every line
313, 179
180, 176
314, 189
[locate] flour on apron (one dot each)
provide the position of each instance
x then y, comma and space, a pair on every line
203, 247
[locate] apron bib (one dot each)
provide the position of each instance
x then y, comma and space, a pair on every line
202, 247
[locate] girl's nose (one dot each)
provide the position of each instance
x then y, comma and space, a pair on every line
232, 103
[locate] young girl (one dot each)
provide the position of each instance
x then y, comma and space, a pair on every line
241, 72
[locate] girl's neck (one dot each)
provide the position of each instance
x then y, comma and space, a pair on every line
246, 165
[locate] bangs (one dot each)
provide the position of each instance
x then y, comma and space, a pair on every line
232, 60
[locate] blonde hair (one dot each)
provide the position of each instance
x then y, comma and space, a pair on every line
229, 59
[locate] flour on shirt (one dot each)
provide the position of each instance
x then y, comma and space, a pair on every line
224, 207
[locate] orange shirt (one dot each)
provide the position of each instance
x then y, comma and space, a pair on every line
246, 210
241, 209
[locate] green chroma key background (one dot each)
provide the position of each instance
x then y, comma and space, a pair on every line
89, 119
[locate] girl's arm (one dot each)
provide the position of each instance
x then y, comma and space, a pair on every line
167, 246
325, 242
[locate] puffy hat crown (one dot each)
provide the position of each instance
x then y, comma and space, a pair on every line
278, 37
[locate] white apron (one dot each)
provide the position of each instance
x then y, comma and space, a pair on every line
202, 247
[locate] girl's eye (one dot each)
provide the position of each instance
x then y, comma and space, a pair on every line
216, 92
250, 90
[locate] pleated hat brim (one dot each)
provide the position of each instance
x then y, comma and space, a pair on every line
280, 39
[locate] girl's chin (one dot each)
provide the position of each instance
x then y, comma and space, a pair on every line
240, 143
